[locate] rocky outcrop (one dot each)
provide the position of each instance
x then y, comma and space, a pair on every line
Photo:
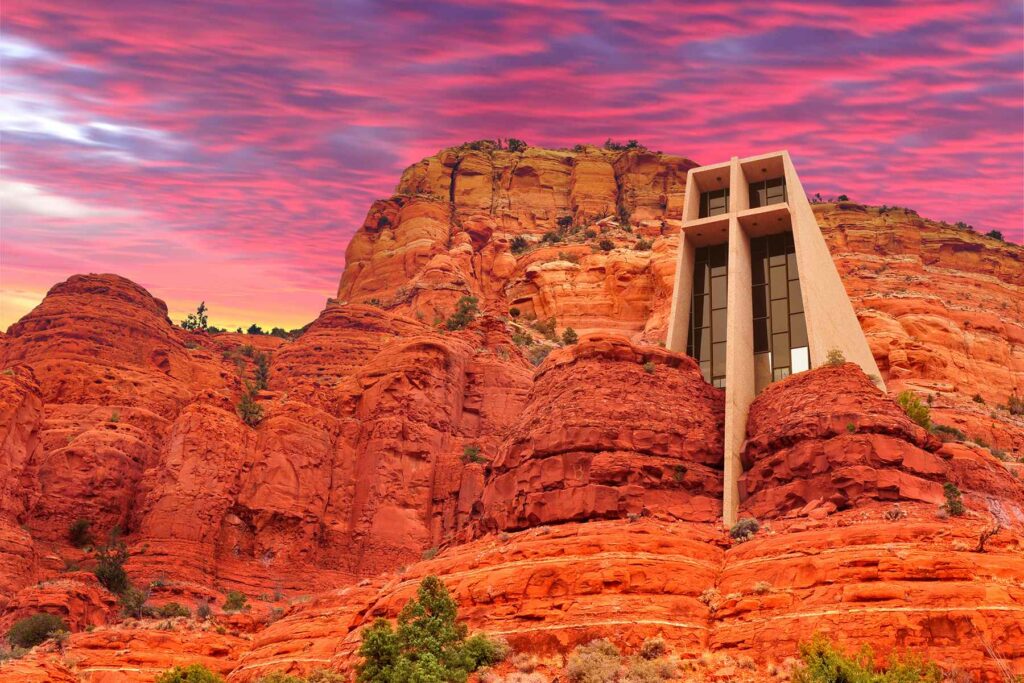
576, 499
828, 439
609, 430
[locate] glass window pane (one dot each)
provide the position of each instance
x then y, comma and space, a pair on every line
780, 373
758, 270
780, 346
718, 358
719, 257
719, 291
705, 369
700, 254
779, 284
701, 312
796, 301
760, 335
760, 301
780, 316
798, 329
794, 272
718, 324
800, 359
700, 279
703, 343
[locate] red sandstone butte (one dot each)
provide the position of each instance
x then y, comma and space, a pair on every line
562, 498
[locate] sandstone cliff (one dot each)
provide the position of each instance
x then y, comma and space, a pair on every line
560, 502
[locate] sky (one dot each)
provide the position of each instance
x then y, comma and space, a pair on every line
227, 151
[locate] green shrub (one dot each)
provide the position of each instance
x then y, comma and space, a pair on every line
652, 648
547, 328
133, 603
196, 322
522, 338
947, 433
954, 500
569, 336
518, 244
429, 643
643, 245
173, 609
1015, 404
979, 399
514, 312
516, 145
262, 361
850, 427
203, 610
564, 222
109, 569
235, 601
255, 329
995, 234
539, 353
835, 358
471, 454
193, 673
79, 535
280, 677
248, 409
596, 662
744, 529
465, 313
115, 417
915, 409
606, 244
590, 233
649, 367
552, 237
33, 630
822, 663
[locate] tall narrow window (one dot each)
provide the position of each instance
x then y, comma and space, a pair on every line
714, 203
780, 332
706, 341
765, 192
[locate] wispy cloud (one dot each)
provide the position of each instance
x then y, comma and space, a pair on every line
258, 133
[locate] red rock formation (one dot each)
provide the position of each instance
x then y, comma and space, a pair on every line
603, 479
610, 429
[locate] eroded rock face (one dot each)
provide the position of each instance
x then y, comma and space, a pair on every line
828, 438
569, 501
610, 430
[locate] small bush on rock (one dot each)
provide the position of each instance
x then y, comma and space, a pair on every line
133, 604
109, 569
79, 535
954, 500
649, 367
569, 336
823, 663
429, 643
518, 244
248, 409
744, 529
596, 662
652, 648
193, 673
915, 409
173, 609
465, 313
33, 630
235, 601
471, 454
